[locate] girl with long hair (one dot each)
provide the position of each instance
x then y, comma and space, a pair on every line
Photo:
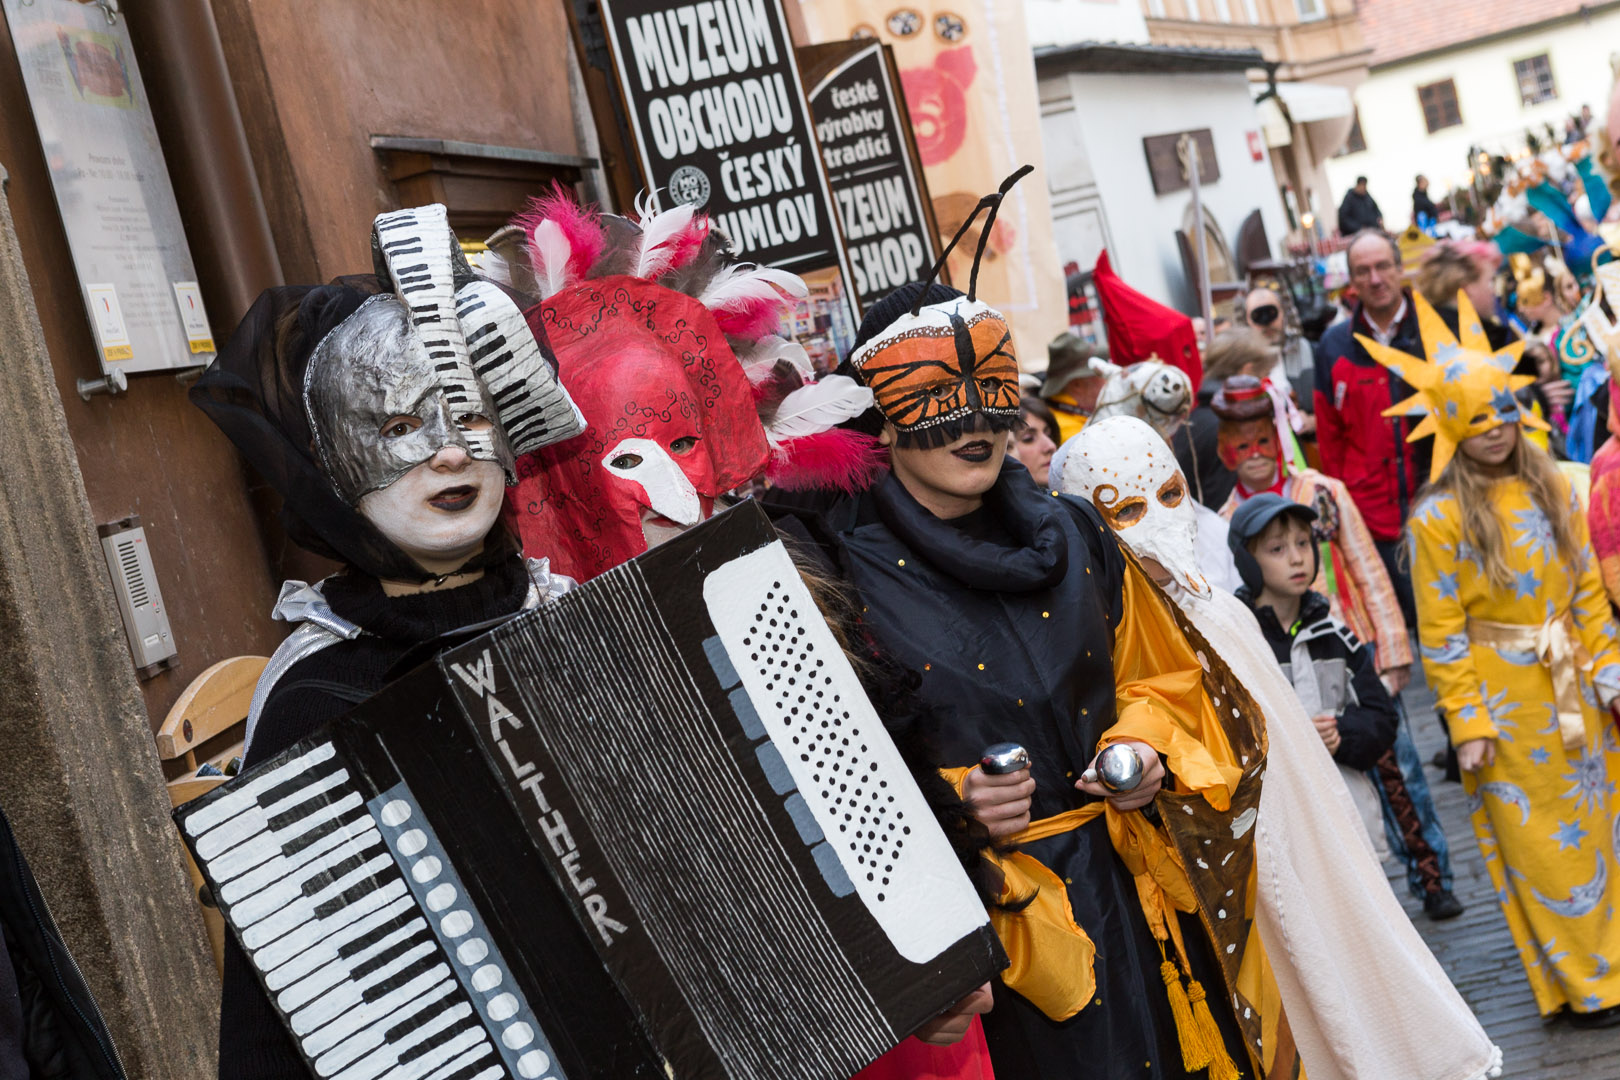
1518, 641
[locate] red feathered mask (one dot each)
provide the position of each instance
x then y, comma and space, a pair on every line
1140, 328
670, 425
665, 343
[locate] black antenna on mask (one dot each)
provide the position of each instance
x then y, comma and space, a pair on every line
992, 203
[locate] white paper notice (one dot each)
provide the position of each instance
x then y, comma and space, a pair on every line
108, 317
193, 317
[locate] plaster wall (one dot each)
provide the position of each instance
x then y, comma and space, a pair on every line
1093, 126
1399, 145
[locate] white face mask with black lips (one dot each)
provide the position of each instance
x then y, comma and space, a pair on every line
1123, 468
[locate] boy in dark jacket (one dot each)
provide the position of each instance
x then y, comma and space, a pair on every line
1334, 673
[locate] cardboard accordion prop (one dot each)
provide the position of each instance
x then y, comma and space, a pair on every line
652, 829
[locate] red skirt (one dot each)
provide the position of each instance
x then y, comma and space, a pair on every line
913, 1060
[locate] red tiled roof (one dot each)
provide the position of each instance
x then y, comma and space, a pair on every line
1396, 29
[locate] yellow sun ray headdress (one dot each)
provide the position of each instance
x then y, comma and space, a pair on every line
1464, 388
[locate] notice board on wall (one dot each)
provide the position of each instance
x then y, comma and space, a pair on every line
871, 158
112, 187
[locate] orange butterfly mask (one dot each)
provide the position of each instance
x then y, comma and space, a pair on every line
946, 370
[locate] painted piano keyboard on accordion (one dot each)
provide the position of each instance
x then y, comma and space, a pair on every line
351, 911
652, 829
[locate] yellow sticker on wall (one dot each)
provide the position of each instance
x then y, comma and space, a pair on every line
112, 334
193, 317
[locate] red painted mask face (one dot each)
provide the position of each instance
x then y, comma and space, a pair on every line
670, 425
1240, 440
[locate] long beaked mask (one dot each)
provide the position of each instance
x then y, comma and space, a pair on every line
449, 354
1123, 468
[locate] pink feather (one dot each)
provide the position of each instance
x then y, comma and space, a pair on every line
686, 244
752, 319
581, 228
840, 459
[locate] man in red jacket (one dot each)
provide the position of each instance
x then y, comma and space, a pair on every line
1359, 445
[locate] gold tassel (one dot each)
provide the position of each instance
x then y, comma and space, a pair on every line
1221, 1065
1195, 1054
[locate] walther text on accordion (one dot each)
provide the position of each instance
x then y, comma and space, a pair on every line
653, 829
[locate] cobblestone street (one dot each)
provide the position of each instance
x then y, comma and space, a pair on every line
1478, 952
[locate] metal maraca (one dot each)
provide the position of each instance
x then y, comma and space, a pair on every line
1003, 757
1118, 768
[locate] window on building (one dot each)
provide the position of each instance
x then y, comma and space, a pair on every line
1192, 10
1309, 9
1439, 102
1355, 142
1535, 80
1251, 11
1155, 9
1223, 10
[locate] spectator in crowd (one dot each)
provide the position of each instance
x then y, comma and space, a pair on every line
1352, 577
1035, 437
1295, 370
1358, 444
1075, 372
1239, 351
1424, 212
1359, 210
1333, 673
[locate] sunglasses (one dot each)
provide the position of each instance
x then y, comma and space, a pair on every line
1265, 314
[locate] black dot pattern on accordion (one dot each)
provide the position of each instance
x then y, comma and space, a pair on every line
870, 825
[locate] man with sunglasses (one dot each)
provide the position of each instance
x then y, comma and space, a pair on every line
1296, 367
1358, 444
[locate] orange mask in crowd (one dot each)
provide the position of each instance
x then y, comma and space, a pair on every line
1248, 419
946, 370
1238, 441
945, 367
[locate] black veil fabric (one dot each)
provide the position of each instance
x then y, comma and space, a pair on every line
254, 391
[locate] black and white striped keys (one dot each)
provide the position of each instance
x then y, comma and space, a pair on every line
367, 942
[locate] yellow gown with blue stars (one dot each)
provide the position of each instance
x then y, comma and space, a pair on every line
1544, 814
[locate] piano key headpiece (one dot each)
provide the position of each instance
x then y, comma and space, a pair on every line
442, 346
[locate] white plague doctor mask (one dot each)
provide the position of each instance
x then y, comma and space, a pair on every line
1124, 469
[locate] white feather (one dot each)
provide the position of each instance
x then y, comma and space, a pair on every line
744, 284
550, 249
759, 358
656, 233
817, 407
490, 266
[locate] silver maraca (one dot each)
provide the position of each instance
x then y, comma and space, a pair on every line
1003, 757
1118, 768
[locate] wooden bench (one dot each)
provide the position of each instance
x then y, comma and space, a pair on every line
209, 719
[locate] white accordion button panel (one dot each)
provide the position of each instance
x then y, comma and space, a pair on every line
833, 747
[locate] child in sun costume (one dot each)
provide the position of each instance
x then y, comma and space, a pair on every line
1518, 641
